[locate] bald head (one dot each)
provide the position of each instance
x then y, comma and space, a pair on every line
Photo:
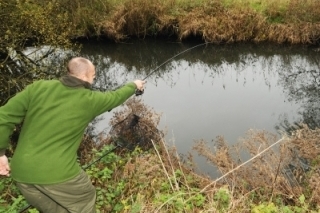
81, 68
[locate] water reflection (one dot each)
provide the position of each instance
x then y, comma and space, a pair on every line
216, 90
21, 68
301, 82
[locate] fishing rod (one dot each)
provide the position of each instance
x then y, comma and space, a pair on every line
154, 70
140, 92
137, 92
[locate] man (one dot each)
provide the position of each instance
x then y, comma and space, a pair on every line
55, 114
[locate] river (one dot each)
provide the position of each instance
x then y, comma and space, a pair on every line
214, 90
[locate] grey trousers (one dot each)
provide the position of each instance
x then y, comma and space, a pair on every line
77, 195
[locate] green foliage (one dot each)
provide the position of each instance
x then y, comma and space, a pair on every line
265, 208
110, 190
302, 207
10, 198
190, 4
223, 199
15, 205
32, 210
198, 200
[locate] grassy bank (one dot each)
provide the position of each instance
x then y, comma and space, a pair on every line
217, 21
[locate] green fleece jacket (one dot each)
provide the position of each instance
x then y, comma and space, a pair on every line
55, 115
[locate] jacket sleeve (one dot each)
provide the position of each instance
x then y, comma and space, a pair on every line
109, 100
12, 113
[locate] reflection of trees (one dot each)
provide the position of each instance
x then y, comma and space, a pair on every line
302, 85
17, 72
117, 63
142, 57
147, 54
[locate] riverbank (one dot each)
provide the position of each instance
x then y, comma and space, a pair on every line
216, 21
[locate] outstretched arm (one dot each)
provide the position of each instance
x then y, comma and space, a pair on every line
106, 101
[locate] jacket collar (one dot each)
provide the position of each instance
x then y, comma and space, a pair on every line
72, 81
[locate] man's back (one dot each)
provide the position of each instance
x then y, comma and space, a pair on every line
56, 116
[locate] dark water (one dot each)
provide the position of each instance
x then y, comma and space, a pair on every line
213, 90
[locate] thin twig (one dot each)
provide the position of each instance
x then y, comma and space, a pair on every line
277, 174
173, 172
164, 168
178, 159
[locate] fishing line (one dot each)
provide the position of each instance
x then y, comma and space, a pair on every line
139, 92
173, 58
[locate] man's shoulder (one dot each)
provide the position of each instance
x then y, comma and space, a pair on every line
43, 82
46, 81
41, 85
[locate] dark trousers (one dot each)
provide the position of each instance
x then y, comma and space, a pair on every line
77, 195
